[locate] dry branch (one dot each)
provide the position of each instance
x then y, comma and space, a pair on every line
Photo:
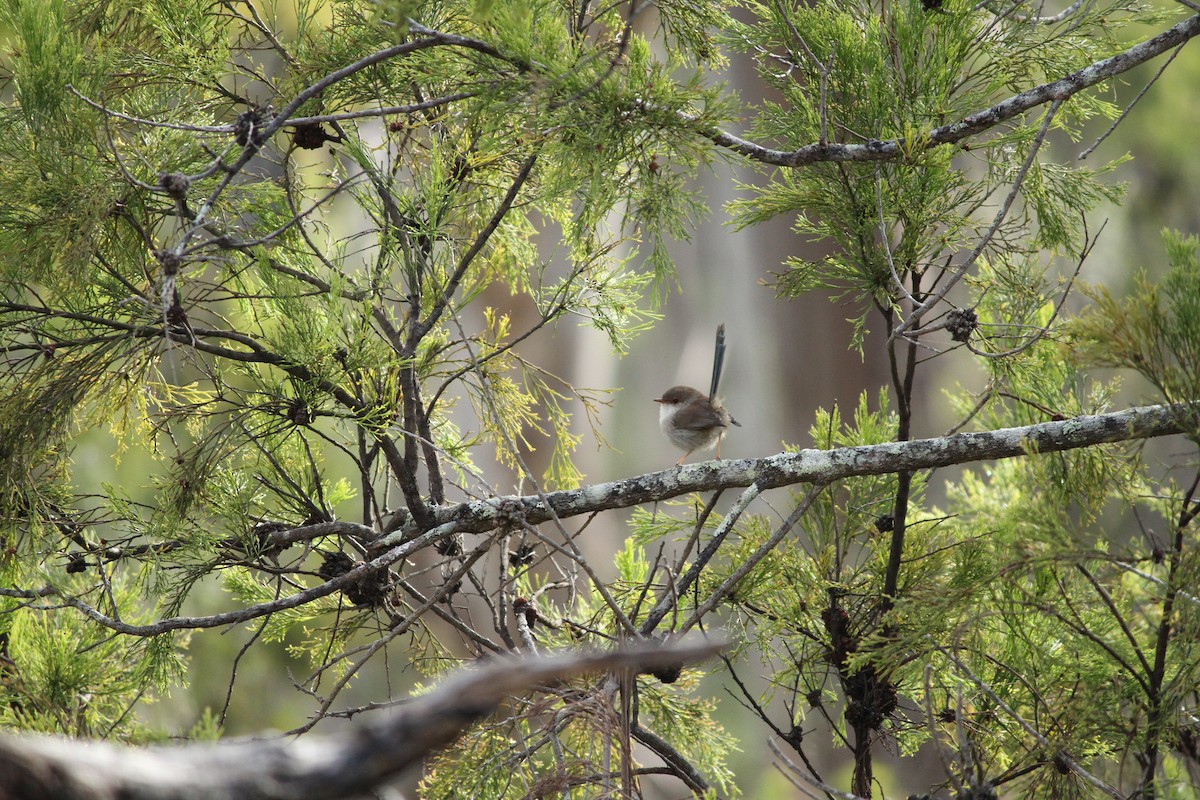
346, 765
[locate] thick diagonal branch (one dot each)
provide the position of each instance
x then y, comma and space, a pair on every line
350, 764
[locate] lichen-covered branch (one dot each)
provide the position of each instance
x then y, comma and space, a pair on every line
822, 466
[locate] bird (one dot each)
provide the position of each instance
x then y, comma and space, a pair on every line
692, 421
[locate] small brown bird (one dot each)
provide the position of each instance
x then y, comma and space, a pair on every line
689, 419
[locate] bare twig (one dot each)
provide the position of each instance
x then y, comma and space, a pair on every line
958, 274
743, 569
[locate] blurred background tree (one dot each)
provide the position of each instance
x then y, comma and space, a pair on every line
285, 285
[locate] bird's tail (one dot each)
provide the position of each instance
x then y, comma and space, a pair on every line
718, 362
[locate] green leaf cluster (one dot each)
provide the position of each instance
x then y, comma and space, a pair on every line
849, 75
1154, 331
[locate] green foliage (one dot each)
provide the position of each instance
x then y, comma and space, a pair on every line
287, 257
1155, 331
853, 77
66, 674
272, 346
